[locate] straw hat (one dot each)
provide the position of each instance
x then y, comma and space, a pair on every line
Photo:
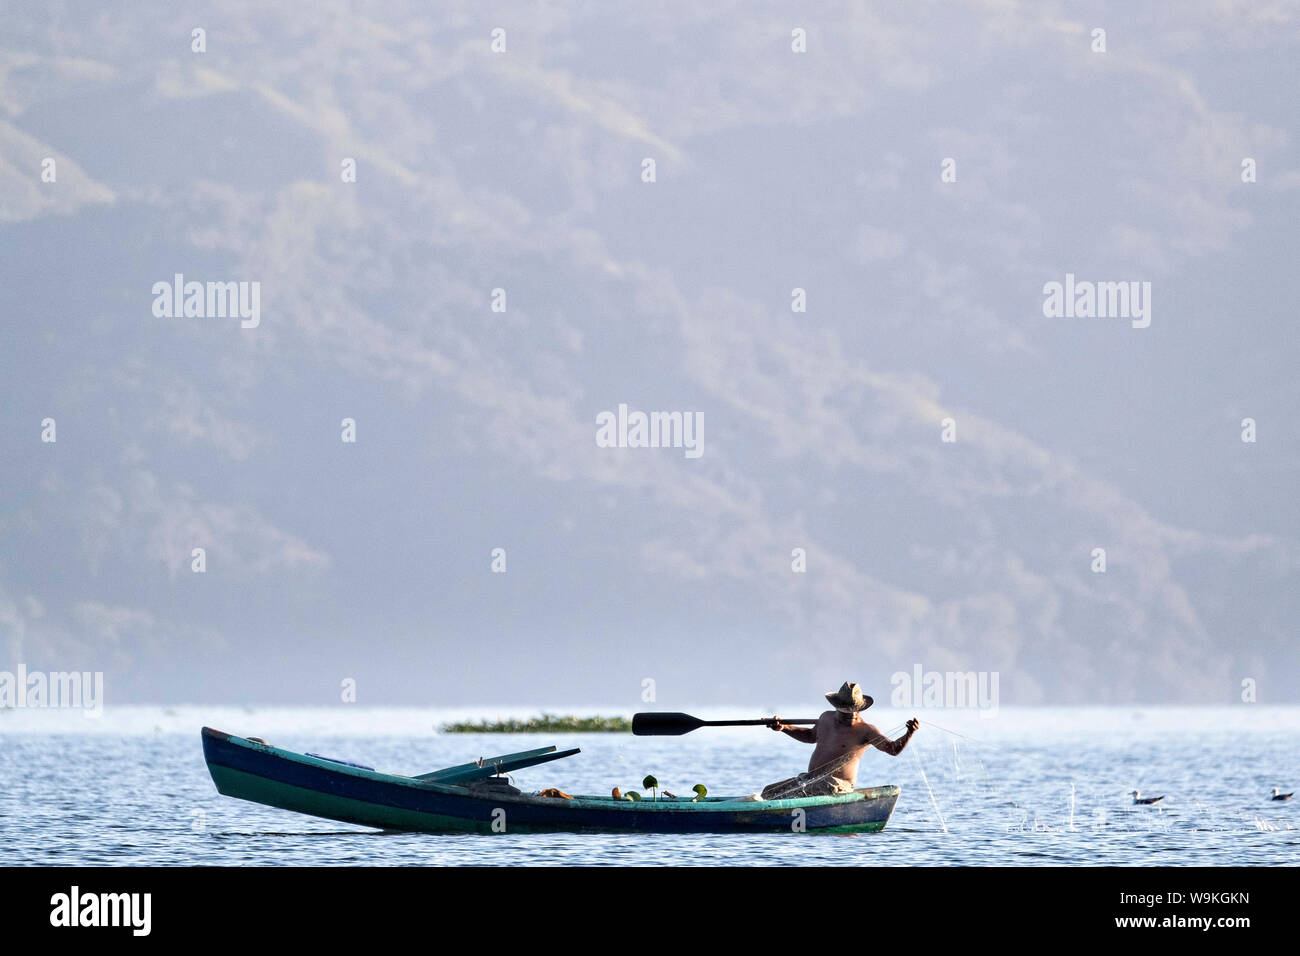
849, 698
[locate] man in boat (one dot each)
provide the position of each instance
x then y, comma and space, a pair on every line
841, 737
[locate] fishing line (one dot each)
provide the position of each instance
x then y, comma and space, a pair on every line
1099, 812
931, 723
999, 793
933, 802
982, 783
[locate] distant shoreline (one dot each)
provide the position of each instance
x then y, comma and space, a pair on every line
305, 726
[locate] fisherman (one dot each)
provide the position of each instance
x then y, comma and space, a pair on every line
841, 736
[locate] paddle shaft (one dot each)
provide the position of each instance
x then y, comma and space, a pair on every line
750, 723
671, 724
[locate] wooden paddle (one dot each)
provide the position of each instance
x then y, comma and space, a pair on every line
673, 724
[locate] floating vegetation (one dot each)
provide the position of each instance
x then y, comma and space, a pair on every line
545, 724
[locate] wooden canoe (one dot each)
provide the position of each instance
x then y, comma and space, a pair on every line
322, 787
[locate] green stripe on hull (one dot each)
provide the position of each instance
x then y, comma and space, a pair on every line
853, 828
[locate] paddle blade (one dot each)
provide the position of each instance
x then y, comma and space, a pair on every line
666, 724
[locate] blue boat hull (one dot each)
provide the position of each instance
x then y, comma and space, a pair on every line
320, 787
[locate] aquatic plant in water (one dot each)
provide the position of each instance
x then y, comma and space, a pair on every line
544, 724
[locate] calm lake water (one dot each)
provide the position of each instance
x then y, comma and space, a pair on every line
1029, 786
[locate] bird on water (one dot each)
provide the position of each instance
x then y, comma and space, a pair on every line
1138, 798
1278, 795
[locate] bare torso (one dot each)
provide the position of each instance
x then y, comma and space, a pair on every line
841, 740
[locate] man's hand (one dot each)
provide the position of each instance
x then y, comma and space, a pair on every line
912, 725
775, 724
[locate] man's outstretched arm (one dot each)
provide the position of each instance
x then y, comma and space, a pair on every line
891, 747
807, 734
